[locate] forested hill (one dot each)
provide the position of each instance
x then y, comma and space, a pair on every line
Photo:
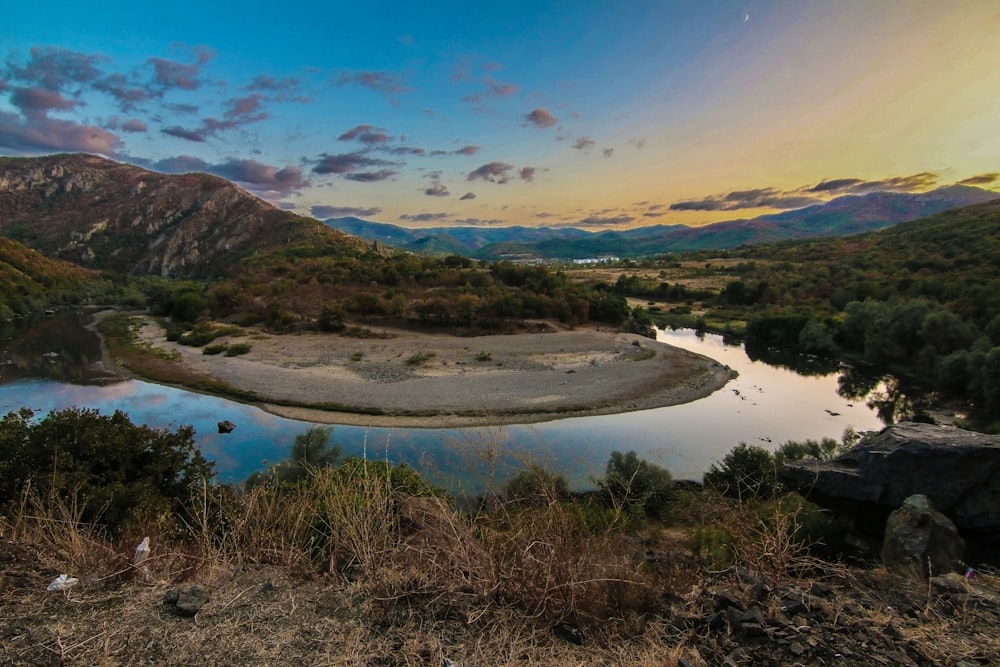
113, 216
922, 298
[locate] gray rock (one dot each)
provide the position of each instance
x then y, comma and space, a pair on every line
958, 470
187, 600
920, 540
226, 426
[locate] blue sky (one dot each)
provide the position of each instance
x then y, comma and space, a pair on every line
595, 114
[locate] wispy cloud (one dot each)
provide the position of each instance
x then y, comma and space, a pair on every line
382, 82
425, 217
843, 186
739, 199
584, 143
321, 211
527, 174
604, 221
345, 163
981, 179
467, 196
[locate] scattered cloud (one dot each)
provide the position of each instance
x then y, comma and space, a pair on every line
436, 189
494, 89
383, 82
181, 164
262, 179
134, 125
322, 211
366, 134
608, 152
981, 179
40, 132
171, 74
467, 195
541, 118
371, 176
494, 172
424, 217
33, 101
346, 163
55, 69
584, 143
467, 150
197, 135
527, 174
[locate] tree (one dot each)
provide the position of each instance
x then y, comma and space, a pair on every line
121, 473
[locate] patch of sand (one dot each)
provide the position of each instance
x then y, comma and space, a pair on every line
435, 380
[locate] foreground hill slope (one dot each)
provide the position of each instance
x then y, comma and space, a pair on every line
107, 215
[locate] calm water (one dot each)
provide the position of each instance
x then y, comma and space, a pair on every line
55, 363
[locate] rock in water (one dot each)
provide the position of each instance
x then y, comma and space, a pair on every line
920, 540
226, 426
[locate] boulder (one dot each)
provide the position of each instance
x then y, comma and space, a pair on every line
958, 471
226, 426
921, 541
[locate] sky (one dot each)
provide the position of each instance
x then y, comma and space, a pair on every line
600, 115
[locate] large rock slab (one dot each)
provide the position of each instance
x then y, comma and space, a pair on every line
958, 471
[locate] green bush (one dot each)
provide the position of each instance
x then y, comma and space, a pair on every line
535, 486
748, 471
122, 474
634, 483
236, 349
217, 348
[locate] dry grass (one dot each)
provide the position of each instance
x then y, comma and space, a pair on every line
349, 569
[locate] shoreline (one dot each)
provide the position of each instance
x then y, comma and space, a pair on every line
436, 380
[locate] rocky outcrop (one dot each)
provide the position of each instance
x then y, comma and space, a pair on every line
920, 540
958, 471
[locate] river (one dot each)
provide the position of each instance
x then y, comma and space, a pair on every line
55, 362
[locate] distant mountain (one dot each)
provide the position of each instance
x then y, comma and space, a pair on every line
118, 217
842, 216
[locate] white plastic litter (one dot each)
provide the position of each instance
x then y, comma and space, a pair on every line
63, 582
141, 552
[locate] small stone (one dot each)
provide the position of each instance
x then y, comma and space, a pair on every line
187, 600
797, 648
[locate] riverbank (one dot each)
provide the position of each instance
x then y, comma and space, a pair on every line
418, 379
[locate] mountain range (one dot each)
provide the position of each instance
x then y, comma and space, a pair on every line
117, 217
851, 214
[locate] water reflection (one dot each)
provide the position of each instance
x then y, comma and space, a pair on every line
768, 404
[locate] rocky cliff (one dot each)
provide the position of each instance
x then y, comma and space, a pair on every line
113, 216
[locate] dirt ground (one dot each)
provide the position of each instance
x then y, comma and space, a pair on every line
406, 378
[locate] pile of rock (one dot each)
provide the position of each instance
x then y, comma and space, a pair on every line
956, 471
